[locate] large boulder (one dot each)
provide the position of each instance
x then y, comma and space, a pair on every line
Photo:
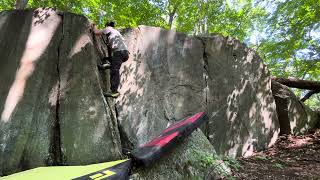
238, 98
170, 75
88, 131
294, 116
51, 103
28, 52
161, 84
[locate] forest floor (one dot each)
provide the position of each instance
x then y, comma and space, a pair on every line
292, 157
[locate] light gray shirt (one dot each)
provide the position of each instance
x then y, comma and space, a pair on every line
115, 39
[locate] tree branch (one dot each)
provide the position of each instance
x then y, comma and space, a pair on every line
308, 95
298, 83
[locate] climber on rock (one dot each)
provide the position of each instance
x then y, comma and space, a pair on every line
119, 54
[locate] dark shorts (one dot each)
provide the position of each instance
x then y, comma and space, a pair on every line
123, 55
116, 60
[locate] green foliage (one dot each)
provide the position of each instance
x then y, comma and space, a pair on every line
279, 166
291, 46
261, 158
215, 163
206, 160
232, 163
216, 16
6, 5
237, 21
127, 13
291, 49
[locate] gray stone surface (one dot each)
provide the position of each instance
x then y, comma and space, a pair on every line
51, 102
239, 98
162, 82
28, 73
169, 76
294, 116
87, 132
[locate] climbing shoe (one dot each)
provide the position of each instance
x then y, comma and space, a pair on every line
104, 66
111, 94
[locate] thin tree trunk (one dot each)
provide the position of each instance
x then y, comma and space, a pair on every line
298, 83
21, 4
171, 16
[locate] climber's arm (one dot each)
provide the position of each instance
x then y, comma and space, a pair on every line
96, 31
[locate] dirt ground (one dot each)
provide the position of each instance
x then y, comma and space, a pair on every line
292, 157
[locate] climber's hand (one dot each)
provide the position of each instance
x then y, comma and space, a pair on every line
92, 27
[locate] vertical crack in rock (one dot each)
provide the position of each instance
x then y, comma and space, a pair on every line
114, 124
109, 104
206, 69
56, 139
124, 139
203, 40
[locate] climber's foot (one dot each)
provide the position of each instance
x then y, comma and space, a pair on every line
111, 94
104, 66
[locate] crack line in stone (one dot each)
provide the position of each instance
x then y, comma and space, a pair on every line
56, 144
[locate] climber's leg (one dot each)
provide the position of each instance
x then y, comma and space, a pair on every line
105, 63
116, 62
106, 60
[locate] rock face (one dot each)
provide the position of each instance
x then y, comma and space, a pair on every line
51, 102
158, 87
238, 98
170, 75
294, 116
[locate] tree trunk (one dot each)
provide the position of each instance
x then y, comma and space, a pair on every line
21, 4
171, 15
298, 83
